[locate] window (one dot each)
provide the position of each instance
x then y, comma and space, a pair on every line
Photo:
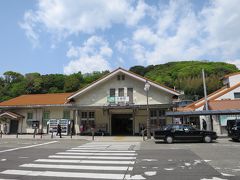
84, 115
118, 77
237, 95
66, 114
112, 92
46, 115
123, 77
153, 113
120, 92
91, 115
30, 115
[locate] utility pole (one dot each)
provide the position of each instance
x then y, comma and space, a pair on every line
205, 90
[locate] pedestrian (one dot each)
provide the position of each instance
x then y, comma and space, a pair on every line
204, 125
5, 128
59, 130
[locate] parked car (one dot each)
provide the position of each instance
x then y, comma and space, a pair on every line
182, 132
233, 127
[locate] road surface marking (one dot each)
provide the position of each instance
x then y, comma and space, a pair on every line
26, 147
96, 151
84, 161
104, 168
92, 157
99, 154
64, 174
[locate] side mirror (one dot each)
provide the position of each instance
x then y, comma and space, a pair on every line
172, 130
186, 130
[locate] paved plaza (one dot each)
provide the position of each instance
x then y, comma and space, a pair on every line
116, 157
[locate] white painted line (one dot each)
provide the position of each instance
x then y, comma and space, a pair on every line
105, 168
92, 157
84, 161
102, 151
64, 174
26, 147
99, 154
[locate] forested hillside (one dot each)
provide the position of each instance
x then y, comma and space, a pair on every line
13, 84
185, 75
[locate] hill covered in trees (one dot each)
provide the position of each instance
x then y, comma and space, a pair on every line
185, 75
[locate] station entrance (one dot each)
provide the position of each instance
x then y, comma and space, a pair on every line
122, 124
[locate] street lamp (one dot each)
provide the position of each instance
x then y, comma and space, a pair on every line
146, 88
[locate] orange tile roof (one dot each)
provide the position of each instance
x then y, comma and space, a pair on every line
38, 99
211, 96
224, 104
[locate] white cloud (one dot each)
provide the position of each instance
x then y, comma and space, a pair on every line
62, 18
91, 56
180, 33
235, 62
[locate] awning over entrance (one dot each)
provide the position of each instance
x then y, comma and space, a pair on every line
11, 115
210, 112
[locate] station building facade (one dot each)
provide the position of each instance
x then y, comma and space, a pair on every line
116, 104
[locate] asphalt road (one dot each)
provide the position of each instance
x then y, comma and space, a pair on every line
80, 159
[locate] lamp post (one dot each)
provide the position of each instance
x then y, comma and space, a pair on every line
146, 88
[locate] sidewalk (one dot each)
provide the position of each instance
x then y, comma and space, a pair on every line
75, 137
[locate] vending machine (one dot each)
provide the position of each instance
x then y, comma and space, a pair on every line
65, 125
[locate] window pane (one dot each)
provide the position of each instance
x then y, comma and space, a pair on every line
46, 115
112, 92
237, 95
29, 115
66, 114
84, 114
91, 115
120, 92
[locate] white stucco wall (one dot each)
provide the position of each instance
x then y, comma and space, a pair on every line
97, 96
233, 80
229, 95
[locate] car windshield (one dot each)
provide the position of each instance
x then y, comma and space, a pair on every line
168, 127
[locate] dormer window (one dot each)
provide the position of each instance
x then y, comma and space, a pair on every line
121, 77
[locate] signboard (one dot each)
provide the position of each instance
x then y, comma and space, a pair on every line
118, 99
224, 118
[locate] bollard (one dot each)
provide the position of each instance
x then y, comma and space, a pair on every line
71, 134
102, 134
34, 133
52, 135
17, 135
92, 133
143, 135
1, 134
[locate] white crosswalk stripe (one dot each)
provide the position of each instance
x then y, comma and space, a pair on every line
95, 160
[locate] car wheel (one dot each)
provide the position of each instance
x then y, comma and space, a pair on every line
169, 139
207, 139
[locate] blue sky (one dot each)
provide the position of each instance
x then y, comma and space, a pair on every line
67, 36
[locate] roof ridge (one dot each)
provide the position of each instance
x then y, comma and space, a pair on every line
215, 95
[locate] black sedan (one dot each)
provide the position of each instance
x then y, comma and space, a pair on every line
183, 132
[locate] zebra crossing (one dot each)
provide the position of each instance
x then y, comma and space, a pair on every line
95, 160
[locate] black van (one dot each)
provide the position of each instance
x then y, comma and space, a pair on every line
233, 128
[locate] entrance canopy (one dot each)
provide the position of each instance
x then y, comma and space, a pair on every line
11, 115
209, 112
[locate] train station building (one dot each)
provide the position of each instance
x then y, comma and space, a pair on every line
116, 104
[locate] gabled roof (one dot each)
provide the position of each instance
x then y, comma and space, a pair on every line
224, 104
37, 99
129, 73
212, 96
11, 114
